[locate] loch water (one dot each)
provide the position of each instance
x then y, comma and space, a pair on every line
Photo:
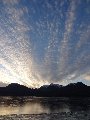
39, 105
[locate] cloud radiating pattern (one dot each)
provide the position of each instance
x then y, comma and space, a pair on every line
44, 41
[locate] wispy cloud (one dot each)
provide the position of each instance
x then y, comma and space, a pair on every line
42, 43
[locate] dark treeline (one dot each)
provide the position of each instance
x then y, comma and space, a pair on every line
53, 90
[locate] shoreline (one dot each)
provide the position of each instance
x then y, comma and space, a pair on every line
80, 115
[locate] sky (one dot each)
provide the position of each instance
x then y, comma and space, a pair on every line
44, 41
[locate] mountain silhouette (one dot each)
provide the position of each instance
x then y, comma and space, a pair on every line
53, 90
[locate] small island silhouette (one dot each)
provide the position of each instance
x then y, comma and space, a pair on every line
53, 90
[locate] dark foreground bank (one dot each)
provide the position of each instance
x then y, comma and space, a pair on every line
55, 116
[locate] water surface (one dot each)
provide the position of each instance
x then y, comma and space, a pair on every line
38, 105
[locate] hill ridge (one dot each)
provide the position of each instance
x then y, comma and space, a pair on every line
71, 90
